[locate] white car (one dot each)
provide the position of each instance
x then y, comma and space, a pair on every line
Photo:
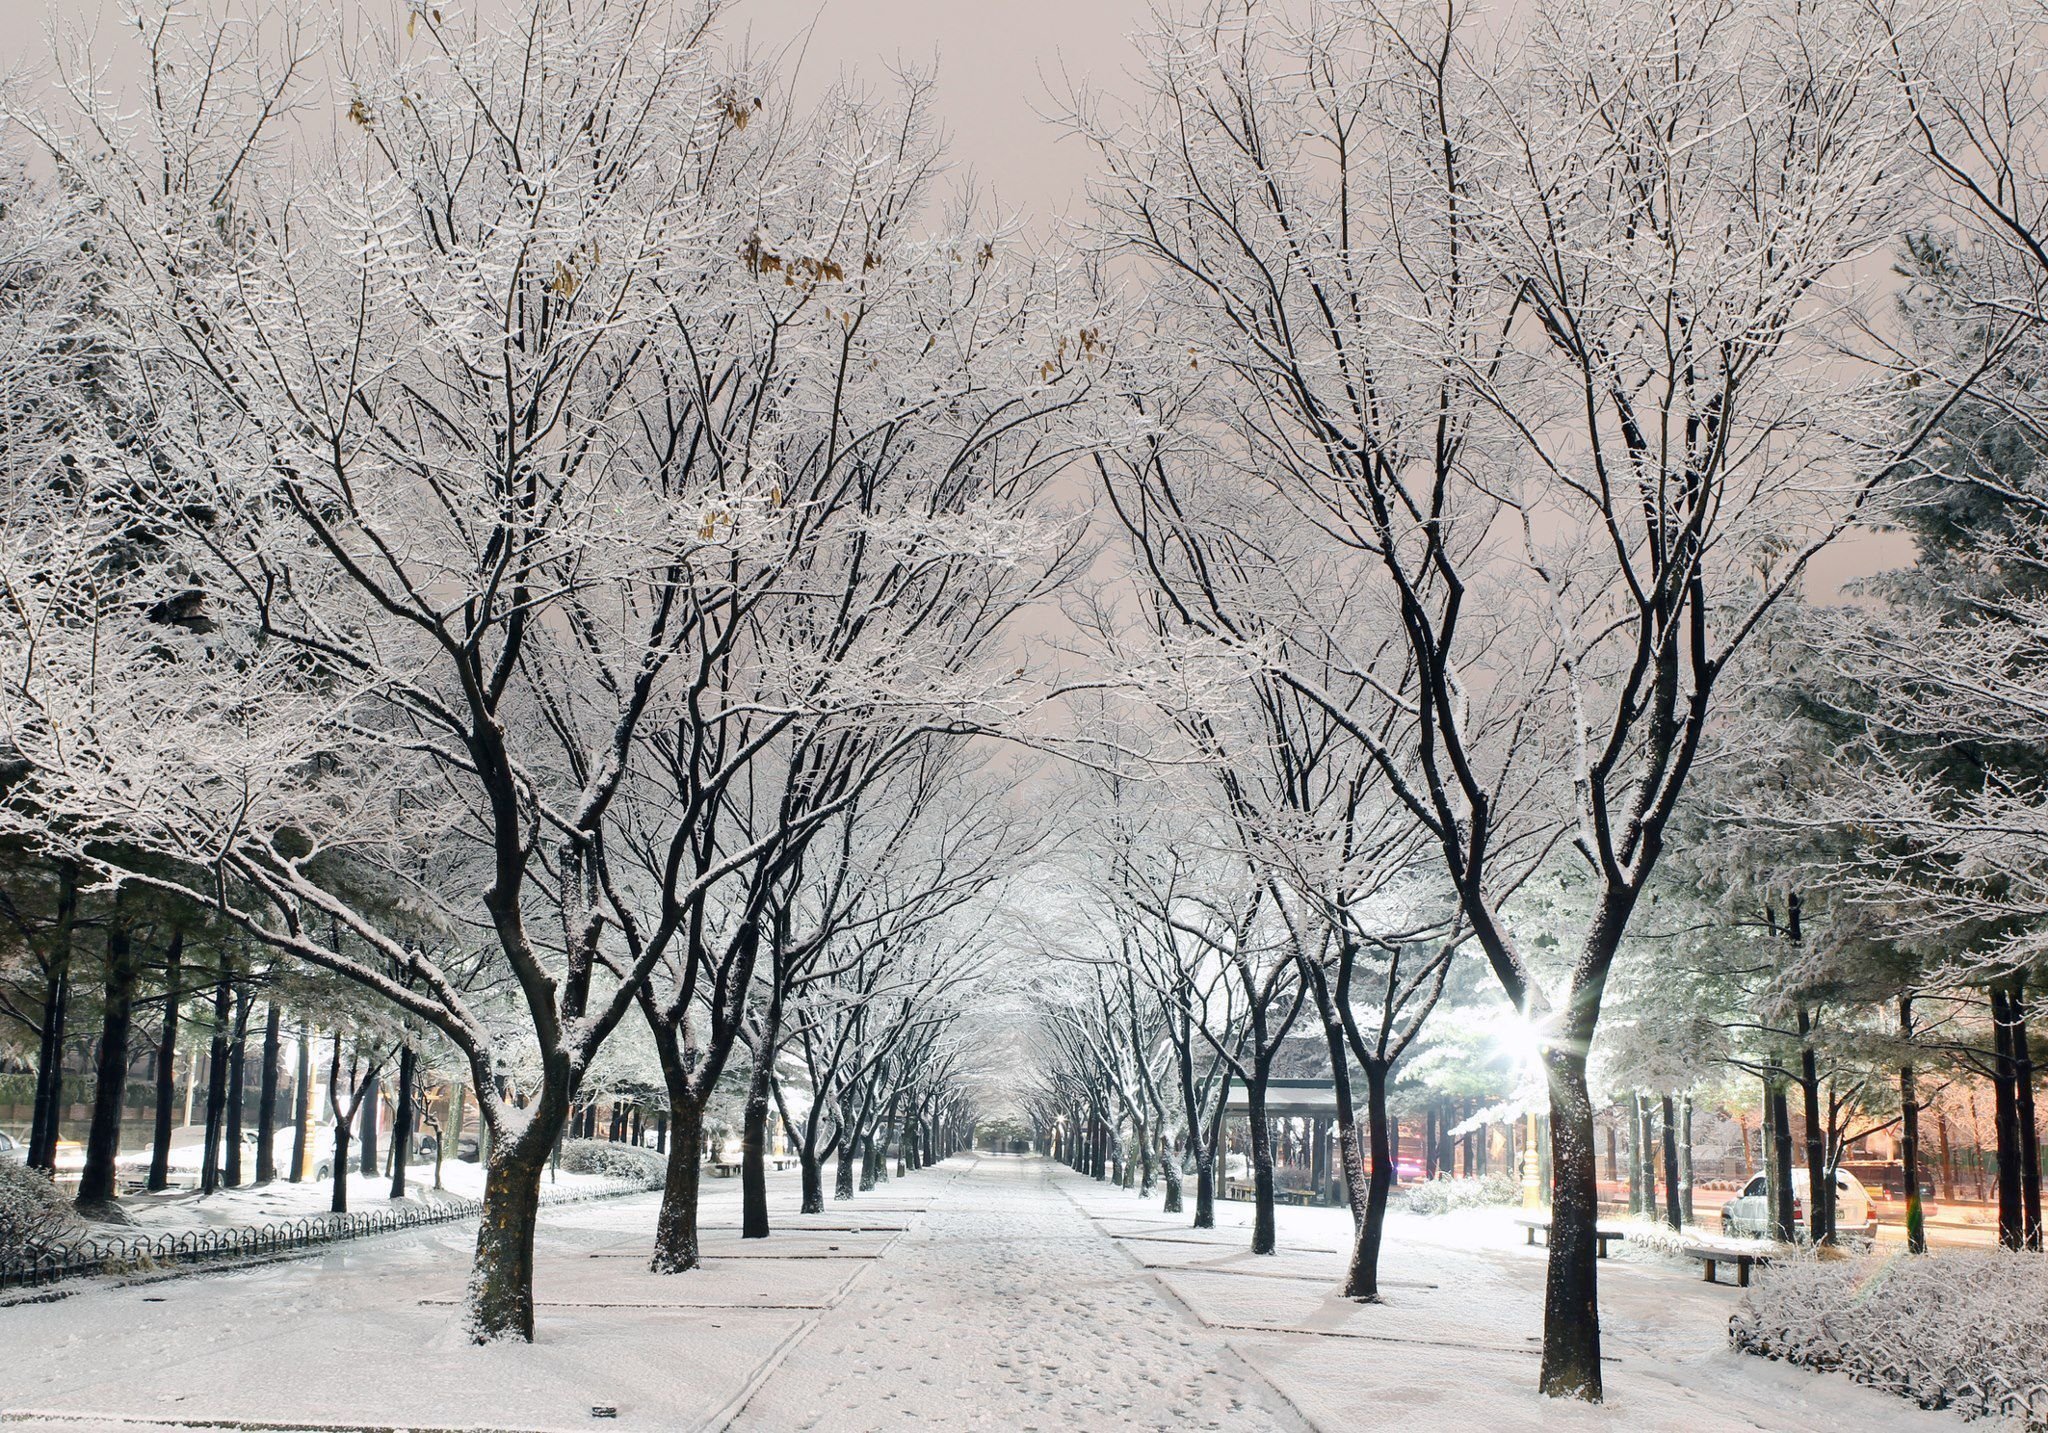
1749, 1213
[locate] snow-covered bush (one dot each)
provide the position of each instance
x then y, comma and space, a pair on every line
1966, 1330
1444, 1194
616, 1161
33, 1213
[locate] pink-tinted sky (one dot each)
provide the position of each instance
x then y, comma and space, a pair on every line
999, 65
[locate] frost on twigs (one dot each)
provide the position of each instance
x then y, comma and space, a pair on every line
34, 1214
1962, 1330
1444, 1194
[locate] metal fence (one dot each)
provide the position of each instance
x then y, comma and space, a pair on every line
137, 1253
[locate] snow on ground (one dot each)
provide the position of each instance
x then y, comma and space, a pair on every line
987, 1292
176, 1210
1008, 1308
1457, 1341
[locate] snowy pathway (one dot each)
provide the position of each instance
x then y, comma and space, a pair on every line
1007, 1308
987, 1292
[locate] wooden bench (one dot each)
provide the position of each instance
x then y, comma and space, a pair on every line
724, 1168
1535, 1223
1242, 1190
1713, 1256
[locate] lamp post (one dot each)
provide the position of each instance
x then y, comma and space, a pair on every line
1532, 1193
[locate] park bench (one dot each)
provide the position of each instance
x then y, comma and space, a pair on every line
1714, 1255
1535, 1223
1240, 1189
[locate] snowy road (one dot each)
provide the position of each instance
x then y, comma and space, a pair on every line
1008, 1308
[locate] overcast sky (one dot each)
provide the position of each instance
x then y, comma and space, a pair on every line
998, 65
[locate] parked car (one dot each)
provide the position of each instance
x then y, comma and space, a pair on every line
1748, 1214
12, 1148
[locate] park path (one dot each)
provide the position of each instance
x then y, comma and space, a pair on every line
1005, 1306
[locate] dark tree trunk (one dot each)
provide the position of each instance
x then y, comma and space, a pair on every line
238, 1059
842, 1180
266, 1097
676, 1249
401, 1120
98, 1185
1646, 1149
813, 1176
216, 1088
501, 1278
1909, 1135
1820, 1189
2005, 1087
1571, 1295
1785, 1216
1264, 1240
1362, 1278
1674, 1210
302, 1102
1685, 1159
167, 1066
1948, 1157
366, 1133
754, 1140
47, 1112
1634, 1108
338, 1202
2023, 1100
1169, 1170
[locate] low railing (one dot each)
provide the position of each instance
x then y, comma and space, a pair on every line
133, 1253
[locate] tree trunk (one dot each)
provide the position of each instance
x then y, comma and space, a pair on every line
1819, 1187
1169, 1169
1685, 1158
1646, 1148
216, 1088
266, 1097
2005, 1087
1909, 1135
754, 1129
1948, 1158
1635, 1154
302, 1102
238, 1062
675, 1227
1571, 1295
500, 1299
338, 1201
167, 1066
98, 1185
401, 1120
47, 1112
1674, 1213
2023, 1098
1785, 1217
1263, 1236
366, 1133
842, 1183
1362, 1277
813, 1176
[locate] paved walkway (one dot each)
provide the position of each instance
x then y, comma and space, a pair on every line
1007, 1307
987, 1292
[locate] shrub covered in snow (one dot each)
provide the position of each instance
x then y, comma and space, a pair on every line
615, 1161
33, 1214
1965, 1330
1444, 1194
